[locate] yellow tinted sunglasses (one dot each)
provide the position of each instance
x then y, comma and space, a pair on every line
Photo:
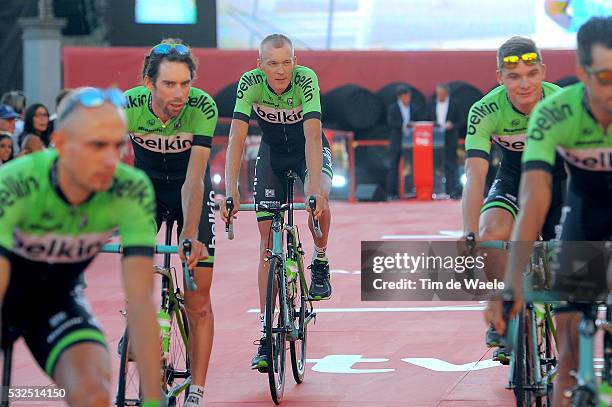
529, 58
604, 76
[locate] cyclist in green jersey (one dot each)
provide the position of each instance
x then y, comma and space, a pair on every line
502, 116
171, 125
577, 122
57, 209
286, 101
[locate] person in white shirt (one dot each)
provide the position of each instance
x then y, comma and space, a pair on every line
446, 114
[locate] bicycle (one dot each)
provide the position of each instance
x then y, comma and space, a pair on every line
175, 374
532, 336
289, 308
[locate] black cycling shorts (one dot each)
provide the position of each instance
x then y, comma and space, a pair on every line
583, 259
504, 194
168, 194
270, 182
51, 316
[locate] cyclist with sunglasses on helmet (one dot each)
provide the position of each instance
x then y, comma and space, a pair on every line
502, 116
577, 122
171, 125
57, 209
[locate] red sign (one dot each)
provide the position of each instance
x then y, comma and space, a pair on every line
422, 137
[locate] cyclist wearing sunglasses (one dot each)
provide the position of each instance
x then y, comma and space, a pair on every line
57, 209
577, 122
171, 125
285, 98
502, 116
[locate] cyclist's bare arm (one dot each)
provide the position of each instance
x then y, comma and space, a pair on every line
5, 274
233, 159
192, 194
138, 286
535, 196
314, 161
476, 172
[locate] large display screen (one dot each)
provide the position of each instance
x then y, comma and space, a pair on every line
404, 24
165, 12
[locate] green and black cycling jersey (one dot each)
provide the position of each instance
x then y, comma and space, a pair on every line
41, 227
162, 150
280, 117
494, 118
49, 242
564, 124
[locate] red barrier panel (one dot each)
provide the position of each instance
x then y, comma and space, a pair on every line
423, 160
121, 66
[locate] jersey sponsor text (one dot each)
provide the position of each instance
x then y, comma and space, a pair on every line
164, 144
282, 116
591, 159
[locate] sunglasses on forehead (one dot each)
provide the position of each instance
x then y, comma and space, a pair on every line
604, 76
165, 49
93, 97
529, 58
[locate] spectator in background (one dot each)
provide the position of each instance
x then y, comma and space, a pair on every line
17, 101
7, 119
31, 144
6, 147
36, 122
445, 112
400, 115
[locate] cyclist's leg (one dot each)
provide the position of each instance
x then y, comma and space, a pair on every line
497, 218
325, 189
67, 342
84, 371
320, 287
198, 303
268, 185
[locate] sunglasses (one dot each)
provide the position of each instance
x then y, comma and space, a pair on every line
165, 49
529, 58
604, 76
93, 97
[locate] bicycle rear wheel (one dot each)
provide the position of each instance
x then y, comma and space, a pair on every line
275, 330
176, 365
128, 388
297, 347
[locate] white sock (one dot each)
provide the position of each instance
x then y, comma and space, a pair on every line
319, 253
196, 396
262, 320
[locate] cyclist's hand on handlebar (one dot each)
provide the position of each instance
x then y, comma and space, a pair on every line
198, 252
223, 207
496, 315
322, 206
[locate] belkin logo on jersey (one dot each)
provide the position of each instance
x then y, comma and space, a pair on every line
56, 248
281, 116
591, 159
515, 142
164, 144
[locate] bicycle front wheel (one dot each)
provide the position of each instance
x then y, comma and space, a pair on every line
128, 388
177, 373
276, 330
297, 347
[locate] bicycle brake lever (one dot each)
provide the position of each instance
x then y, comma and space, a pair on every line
229, 225
312, 203
190, 284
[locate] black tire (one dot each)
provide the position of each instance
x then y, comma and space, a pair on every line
177, 365
275, 331
518, 375
128, 388
297, 347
